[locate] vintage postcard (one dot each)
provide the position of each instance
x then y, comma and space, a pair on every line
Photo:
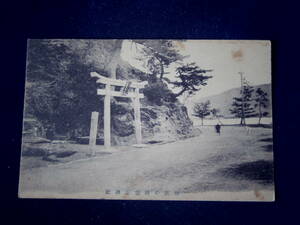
148, 119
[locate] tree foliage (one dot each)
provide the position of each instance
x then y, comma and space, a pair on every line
202, 110
215, 112
158, 55
158, 94
59, 91
241, 106
191, 77
61, 94
261, 101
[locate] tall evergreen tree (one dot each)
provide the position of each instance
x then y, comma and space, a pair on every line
241, 106
261, 101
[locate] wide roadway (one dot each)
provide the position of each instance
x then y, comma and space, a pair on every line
194, 165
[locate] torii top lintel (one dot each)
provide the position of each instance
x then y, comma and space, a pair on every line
122, 83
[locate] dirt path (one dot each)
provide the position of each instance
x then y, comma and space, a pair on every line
234, 161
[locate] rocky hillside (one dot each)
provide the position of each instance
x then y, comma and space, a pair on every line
165, 123
62, 95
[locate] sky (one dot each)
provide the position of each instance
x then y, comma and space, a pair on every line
225, 57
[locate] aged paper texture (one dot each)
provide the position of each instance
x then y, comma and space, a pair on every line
148, 119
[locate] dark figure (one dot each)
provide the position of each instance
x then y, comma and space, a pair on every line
218, 129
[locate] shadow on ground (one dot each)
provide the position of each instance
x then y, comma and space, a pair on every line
240, 177
268, 148
233, 176
41, 156
260, 171
266, 140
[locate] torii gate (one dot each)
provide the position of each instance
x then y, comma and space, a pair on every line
108, 92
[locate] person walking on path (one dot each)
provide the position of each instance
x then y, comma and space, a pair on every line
218, 128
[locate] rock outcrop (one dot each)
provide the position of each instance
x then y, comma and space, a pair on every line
168, 122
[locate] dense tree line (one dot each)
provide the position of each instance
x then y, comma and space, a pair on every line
58, 87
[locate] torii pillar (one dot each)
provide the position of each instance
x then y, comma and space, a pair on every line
108, 93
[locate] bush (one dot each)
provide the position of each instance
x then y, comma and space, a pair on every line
158, 93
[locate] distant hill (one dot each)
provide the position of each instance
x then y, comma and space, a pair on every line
223, 101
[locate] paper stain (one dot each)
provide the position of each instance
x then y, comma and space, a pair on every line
125, 196
258, 195
237, 55
180, 44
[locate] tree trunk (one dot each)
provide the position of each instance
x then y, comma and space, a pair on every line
260, 114
180, 93
243, 121
162, 71
116, 59
202, 121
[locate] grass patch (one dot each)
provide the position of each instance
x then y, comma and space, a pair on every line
48, 159
64, 154
34, 152
154, 142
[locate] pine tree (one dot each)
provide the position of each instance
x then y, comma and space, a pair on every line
261, 99
158, 55
191, 78
241, 106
